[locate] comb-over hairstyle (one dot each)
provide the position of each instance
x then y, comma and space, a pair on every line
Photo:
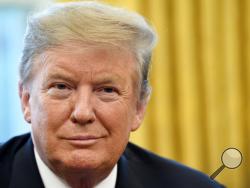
90, 23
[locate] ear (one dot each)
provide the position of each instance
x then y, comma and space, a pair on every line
140, 112
24, 95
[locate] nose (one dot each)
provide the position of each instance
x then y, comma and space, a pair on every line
83, 112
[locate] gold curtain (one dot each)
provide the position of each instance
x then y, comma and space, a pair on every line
200, 103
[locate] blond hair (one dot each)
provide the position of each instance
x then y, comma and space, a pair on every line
90, 23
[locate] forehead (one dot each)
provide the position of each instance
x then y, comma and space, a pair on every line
89, 62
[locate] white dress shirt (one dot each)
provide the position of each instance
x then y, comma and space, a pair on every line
51, 180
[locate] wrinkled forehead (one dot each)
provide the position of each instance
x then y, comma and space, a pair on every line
89, 55
84, 52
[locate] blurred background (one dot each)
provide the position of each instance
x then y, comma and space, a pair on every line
200, 103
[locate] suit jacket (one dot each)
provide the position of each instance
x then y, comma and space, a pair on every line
137, 168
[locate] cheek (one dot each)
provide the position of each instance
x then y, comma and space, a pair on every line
47, 112
46, 118
117, 117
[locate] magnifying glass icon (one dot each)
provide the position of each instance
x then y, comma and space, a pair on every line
231, 158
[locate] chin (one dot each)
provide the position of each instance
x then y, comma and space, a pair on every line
78, 161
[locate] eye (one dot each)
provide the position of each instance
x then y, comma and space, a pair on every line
108, 90
59, 90
61, 86
107, 93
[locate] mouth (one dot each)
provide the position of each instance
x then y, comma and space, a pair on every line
83, 140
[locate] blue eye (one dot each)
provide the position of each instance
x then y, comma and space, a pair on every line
61, 86
60, 90
109, 90
107, 93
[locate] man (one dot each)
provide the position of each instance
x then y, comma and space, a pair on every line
84, 88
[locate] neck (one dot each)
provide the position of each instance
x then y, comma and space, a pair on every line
75, 177
84, 180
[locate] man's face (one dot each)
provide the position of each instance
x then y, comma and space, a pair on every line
82, 106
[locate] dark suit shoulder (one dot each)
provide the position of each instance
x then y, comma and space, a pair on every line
153, 169
10, 147
8, 152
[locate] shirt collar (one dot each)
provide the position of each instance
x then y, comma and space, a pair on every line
51, 180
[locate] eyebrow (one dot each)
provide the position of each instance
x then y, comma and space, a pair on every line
64, 75
96, 78
108, 79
